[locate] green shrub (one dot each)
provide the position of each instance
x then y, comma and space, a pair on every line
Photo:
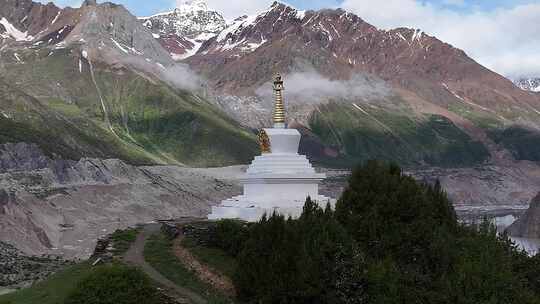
114, 284
522, 142
387, 211
122, 239
230, 235
310, 260
390, 240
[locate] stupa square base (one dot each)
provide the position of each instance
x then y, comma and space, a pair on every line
249, 212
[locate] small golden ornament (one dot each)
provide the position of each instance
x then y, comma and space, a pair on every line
264, 141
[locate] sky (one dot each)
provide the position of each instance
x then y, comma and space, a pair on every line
503, 35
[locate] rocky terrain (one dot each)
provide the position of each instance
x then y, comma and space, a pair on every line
488, 188
18, 270
62, 207
528, 226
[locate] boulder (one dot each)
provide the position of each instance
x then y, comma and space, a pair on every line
528, 226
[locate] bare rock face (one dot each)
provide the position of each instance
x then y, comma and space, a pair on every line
528, 226
61, 207
104, 32
21, 157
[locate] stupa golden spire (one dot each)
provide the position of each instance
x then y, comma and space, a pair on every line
279, 107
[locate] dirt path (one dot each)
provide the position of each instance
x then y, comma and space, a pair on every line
135, 257
204, 273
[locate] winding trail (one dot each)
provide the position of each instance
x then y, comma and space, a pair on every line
205, 273
135, 257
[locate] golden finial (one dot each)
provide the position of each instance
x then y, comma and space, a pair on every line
279, 108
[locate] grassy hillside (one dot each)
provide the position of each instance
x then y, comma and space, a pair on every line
54, 290
158, 252
122, 114
365, 132
522, 142
25, 119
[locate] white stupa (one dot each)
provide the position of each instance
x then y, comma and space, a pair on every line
280, 179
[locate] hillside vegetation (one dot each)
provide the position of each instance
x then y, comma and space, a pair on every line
122, 114
376, 133
389, 240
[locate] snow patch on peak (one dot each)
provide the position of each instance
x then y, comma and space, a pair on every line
529, 84
300, 15
190, 19
192, 5
237, 25
417, 35
14, 32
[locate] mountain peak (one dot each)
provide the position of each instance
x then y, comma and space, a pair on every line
528, 84
183, 31
192, 6
89, 3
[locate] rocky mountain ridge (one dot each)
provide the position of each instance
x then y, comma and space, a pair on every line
183, 30
529, 84
98, 72
416, 77
401, 84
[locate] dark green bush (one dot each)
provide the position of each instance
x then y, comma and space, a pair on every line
390, 240
309, 260
115, 284
230, 235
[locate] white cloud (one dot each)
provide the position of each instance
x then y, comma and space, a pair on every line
454, 2
506, 40
310, 86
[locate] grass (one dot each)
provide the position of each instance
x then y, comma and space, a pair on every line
396, 136
51, 291
153, 122
158, 253
482, 120
122, 240
214, 257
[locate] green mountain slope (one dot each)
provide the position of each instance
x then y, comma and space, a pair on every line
365, 132
121, 114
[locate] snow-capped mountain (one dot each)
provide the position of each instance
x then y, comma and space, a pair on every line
529, 84
184, 30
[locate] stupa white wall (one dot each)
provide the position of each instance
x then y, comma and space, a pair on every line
279, 181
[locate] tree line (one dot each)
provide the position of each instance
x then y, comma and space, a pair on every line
390, 239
